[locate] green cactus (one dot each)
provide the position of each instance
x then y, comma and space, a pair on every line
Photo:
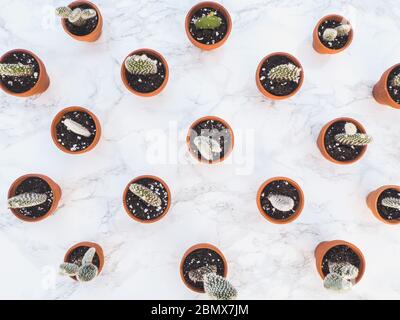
197, 275
351, 137
141, 65
341, 277
218, 288
85, 272
68, 269
285, 72
344, 269
145, 194
77, 16
210, 21
16, 70
391, 202
26, 200
335, 282
396, 81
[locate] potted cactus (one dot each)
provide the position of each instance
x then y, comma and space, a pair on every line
332, 34
33, 197
340, 264
387, 90
145, 72
208, 25
280, 200
22, 73
147, 199
81, 20
385, 204
83, 262
210, 139
75, 130
279, 76
343, 141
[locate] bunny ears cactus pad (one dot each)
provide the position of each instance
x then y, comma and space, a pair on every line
351, 137
141, 65
85, 271
285, 72
16, 70
341, 276
76, 16
26, 200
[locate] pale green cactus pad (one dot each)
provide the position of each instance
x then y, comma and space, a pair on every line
330, 34
391, 202
341, 277
16, 70
218, 288
68, 269
26, 200
336, 283
281, 202
145, 194
197, 275
396, 81
87, 271
285, 72
141, 65
207, 146
76, 128
351, 137
77, 16
210, 21
344, 269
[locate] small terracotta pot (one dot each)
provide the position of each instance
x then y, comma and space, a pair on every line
321, 138
57, 119
372, 202
319, 46
325, 246
96, 33
227, 153
147, 94
217, 7
380, 91
293, 216
54, 187
261, 87
149, 177
99, 252
196, 247
41, 85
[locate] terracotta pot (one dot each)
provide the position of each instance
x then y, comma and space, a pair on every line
41, 85
293, 216
227, 153
158, 90
96, 33
54, 187
193, 248
380, 91
321, 137
319, 46
261, 87
57, 119
324, 247
99, 252
217, 7
126, 192
372, 202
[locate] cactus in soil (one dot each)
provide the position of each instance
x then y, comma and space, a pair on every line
207, 146
145, 194
343, 30
281, 202
330, 34
210, 21
391, 202
141, 65
76, 128
77, 16
26, 200
396, 81
85, 272
285, 72
351, 137
218, 288
16, 70
341, 277
197, 275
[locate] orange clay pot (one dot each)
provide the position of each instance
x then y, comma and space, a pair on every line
99, 252
319, 46
261, 87
196, 247
216, 7
57, 119
293, 216
41, 85
227, 153
56, 196
321, 137
380, 91
96, 33
325, 246
372, 202
158, 90
166, 209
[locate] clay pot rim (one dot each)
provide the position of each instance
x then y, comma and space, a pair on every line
99, 251
42, 73
56, 120
165, 187
215, 118
261, 87
161, 58
336, 17
53, 186
201, 246
386, 77
375, 210
218, 7
293, 216
321, 143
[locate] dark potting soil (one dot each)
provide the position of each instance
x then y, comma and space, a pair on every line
214, 130
394, 91
336, 44
72, 141
139, 208
339, 151
147, 83
272, 86
386, 212
21, 84
279, 187
201, 258
36, 185
85, 29
341, 253
77, 254
208, 36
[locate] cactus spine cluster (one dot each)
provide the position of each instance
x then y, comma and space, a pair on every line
207, 146
76, 128
285, 72
281, 202
141, 65
341, 277
77, 16
26, 200
330, 34
351, 137
87, 271
210, 21
391, 202
396, 81
16, 70
145, 194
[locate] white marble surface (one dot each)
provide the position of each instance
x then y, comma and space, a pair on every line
213, 204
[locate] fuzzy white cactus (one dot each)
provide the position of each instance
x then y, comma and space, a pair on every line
145, 194
77, 16
76, 128
391, 202
343, 29
396, 81
207, 146
330, 34
281, 202
26, 200
285, 72
197, 275
86, 272
141, 65
351, 137
16, 70
341, 277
